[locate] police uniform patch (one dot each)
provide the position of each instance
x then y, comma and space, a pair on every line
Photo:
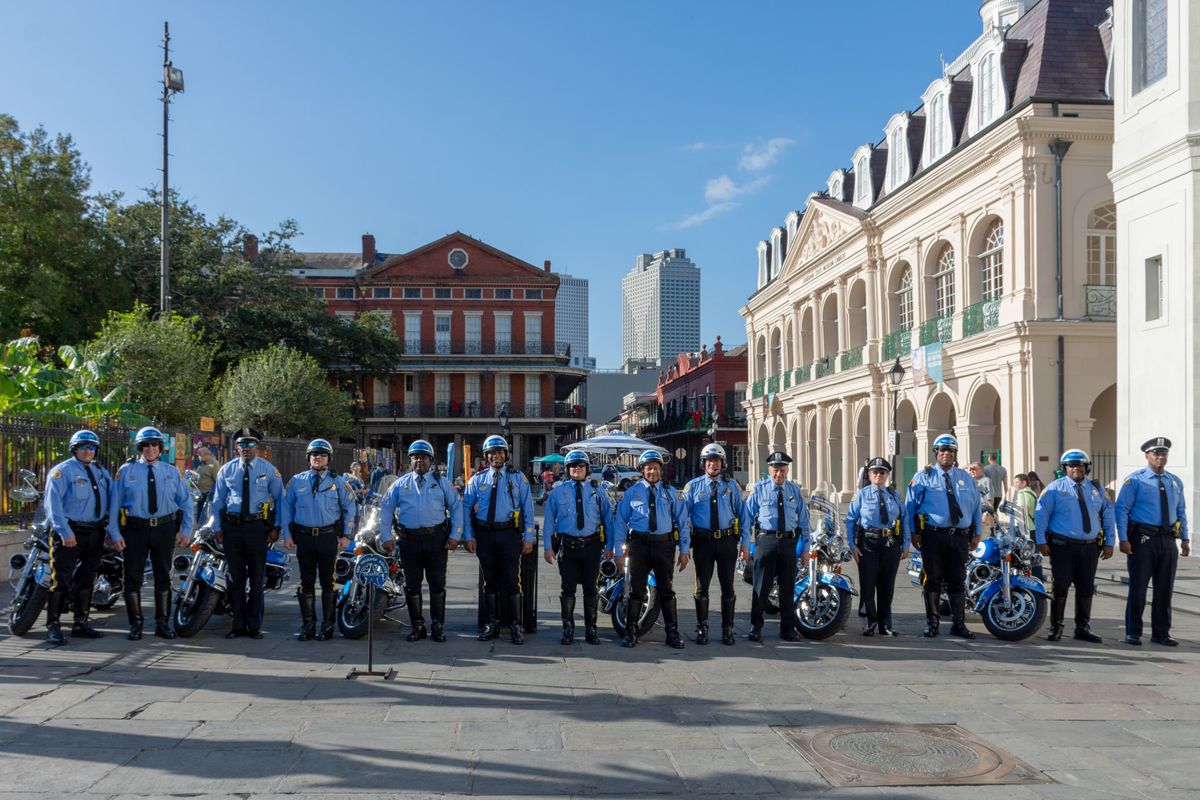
56, 474
277, 475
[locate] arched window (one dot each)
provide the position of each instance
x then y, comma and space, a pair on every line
897, 153
776, 353
991, 262
987, 85
938, 139
862, 182
904, 304
943, 282
1102, 246
760, 358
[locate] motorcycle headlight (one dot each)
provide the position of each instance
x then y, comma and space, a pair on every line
1025, 549
18, 562
181, 563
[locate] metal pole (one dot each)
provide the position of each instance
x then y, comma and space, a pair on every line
164, 289
896, 433
1059, 148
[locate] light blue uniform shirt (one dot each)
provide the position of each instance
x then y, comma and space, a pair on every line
330, 503
730, 505
1138, 502
560, 511
670, 511
864, 513
512, 495
927, 495
130, 491
762, 506
69, 495
1058, 512
421, 501
266, 486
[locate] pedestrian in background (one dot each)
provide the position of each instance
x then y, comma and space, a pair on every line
998, 478
206, 480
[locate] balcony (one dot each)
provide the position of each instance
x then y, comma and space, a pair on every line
787, 380
826, 366
1100, 301
897, 344
687, 423
474, 409
756, 390
938, 329
476, 347
851, 358
980, 317
803, 374
773, 384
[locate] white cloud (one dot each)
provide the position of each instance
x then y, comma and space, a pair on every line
694, 147
757, 157
722, 189
702, 217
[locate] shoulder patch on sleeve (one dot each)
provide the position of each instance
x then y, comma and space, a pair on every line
277, 475
56, 474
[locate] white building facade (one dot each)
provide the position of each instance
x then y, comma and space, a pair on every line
571, 318
660, 309
943, 238
1156, 178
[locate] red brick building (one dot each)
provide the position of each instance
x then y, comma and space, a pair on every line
478, 330
690, 392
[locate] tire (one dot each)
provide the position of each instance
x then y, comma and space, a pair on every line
1020, 621
649, 615
352, 617
829, 616
190, 619
26, 607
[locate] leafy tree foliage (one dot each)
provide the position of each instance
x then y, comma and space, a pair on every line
35, 380
283, 392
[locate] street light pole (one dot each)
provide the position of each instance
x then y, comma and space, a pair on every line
895, 377
172, 83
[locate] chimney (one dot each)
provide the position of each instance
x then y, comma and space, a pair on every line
250, 247
368, 249
718, 348
546, 266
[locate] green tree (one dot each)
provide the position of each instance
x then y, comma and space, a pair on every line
37, 381
283, 392
164, 364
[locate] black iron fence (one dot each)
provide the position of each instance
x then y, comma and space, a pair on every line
474, 410
475, 347
289, 457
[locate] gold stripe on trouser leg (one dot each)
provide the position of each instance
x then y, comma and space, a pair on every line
53, 573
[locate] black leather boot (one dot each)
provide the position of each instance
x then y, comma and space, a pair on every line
728, 605
1083, 619
514, 627
83, 604
308, 616
415, 616
591, 604
162, 615
958, 615
133, 610
633, 613
567, 604
701, 619
437, 616
54, 605
932, 620
491, 609
671, 622
1058, 610
328, 611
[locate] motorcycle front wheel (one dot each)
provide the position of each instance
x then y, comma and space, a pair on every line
352, 613
193, 613
26, 607
650, 614
826, 616
1017, 620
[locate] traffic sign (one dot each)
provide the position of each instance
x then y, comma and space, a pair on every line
680, 452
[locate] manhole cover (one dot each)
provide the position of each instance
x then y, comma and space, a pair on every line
906, 755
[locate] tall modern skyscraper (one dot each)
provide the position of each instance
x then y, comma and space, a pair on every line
660, 309
571, 318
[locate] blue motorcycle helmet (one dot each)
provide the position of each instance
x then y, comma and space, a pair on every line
577, 457
420, 448
649, 457
494, 443
147, 436
84, 438
945, 442
319, 447
1076, 458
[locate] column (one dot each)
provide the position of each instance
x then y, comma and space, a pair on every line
818, 327
839, 291
849, 468
821, 465
877, 446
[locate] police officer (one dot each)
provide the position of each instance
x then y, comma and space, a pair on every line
1150, 516
720, 524
578, 520
943, 515
150, 510
76, 504
316, 518
1072, 517
427, 511
878, 541
780, 518
651, 518
242, 519
498, 515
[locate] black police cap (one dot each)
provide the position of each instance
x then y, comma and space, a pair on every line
1155, 443
248, 433
879, 463
778, 458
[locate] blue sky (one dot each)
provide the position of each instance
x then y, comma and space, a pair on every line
583, 134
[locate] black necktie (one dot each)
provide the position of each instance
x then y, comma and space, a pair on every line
714, 516
316, 483
152, 485
491, 517
883, 515
1083, 509
245, 491
1163, 507
653, 511
420, 483
95, 488
955, 511
780, 512
579, 505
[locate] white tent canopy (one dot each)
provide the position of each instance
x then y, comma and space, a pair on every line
615, 443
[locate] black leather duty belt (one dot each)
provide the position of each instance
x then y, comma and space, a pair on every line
1150, 530
950, 531
302, 530
496, 526
89, 527
431, 530
151, 522
577, 542
708, 533
878, 533
780, 534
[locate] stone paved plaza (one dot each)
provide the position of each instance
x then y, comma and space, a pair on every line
277, 718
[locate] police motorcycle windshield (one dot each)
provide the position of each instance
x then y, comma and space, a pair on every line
822, 593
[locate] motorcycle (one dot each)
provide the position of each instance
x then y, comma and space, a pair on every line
611, 583
823, 593
1000, 583
205, 579
352, 611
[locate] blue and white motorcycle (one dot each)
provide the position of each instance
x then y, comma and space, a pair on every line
1000, 584
353, 614
823, 593
613, 601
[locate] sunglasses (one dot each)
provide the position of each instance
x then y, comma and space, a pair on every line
945, 450
85, 447
1075, 465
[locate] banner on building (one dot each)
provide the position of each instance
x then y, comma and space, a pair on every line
927, 363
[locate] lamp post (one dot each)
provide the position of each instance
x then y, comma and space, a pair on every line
172, 84
505, 430
895, 377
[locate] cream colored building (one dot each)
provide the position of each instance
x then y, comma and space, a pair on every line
947, 231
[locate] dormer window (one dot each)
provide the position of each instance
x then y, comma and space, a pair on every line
777, 252
987, 102
835, 183
793, 223
938, 139
862, 177
764, 275
898, 164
